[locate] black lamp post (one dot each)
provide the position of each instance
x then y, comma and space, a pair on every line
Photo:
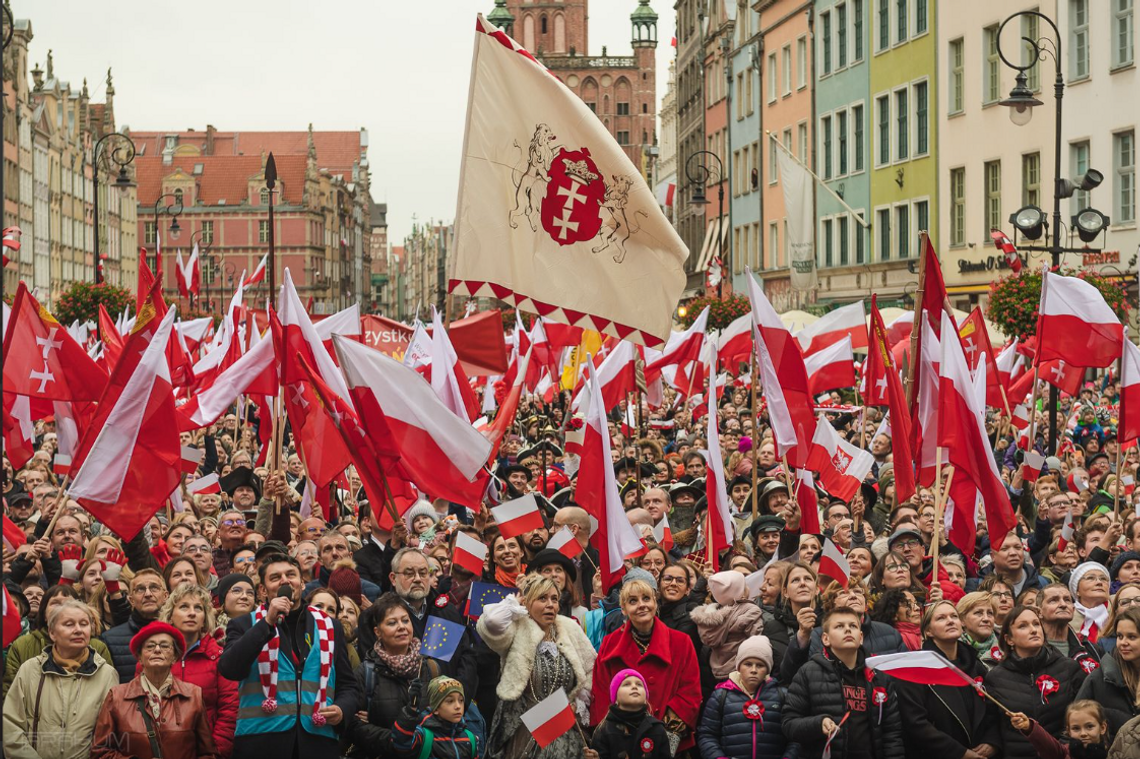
698, 175
1030, 220
121, 151
174, 210
270, 184
203, 259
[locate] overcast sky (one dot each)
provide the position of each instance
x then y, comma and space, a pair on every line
399, 69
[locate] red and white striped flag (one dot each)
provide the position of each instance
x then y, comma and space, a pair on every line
922, 667
841, 465
191, 458
1020, 420
1076, 326
14, 537
565, 543
832, 367
258, 273
1068, 529
848, 321
1130, 393
471, 554
662, 533
207, 484
518, 516
1031, 466
11, 239
833, 564
1008, 250
549, 719
722, 534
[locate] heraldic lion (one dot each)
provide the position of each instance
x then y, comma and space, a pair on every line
530, 183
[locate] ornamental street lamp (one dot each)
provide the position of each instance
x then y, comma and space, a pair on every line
698, 175
120, 152
174, 210
1031, 220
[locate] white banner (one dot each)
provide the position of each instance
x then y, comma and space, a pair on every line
797, 184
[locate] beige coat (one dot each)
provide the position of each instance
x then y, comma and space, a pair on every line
69, 705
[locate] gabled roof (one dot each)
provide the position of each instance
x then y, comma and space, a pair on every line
336, 151
221, 178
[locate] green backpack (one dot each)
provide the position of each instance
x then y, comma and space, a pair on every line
429, 741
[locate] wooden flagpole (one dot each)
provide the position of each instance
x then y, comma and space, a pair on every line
59, 501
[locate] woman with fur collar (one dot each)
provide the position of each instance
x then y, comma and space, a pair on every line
539, 651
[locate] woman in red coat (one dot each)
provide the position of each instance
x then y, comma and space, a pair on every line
665, 657
190, 611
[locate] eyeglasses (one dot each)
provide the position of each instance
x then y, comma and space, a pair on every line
306, 553
145, 589
241, 593
411, 574
1124, 603
1001, 594
896, 567
246, 560
232, 522
164, 647
195, 549
670, 580
911, 543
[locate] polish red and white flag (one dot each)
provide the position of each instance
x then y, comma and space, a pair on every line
191, 458
549, 719
565, 543
1075, 325
207, 484
258, 272
14, 537
922, 667
1007, 361
1031, 466
682, 349
848, 321
129, 461
255, 373
721, 534
1008, 250
1020, 420
833, 564
1130, 393
1068, 529
471, 554
808, 501
448, 379
832, 367
12, 625
188, 275
734, 344
518, 516
616, 376
663, 534
841, 465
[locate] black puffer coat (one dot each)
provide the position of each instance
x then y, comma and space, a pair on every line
118, 640
878, 638
726, 731
389, 695
1013, 682
941, 720
1106, 686
817, 692
780, 626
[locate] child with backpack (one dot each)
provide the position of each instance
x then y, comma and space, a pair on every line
629, 730
447, 732
742, 717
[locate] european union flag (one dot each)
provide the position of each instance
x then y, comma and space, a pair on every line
441, 638
483, 593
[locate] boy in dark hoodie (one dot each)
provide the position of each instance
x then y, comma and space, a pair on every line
446, 733
629, 729
835, 697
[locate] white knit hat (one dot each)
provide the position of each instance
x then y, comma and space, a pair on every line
421, 509
1083, 569
756, 647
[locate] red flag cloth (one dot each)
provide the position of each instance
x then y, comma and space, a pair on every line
471, 554
441, 454
934, 303
734, 346
922, 667
682, 349
145, 281
567, 544
371, 466
128, 462
255, 373
1075, 325
507, 412
832, 367
41, 360
447, 377
833, 564
518, 516
258, 272
112, 340
597, 490
1008, 250
1031, 466
479, 342
13, 535
841, 466
721, 534
12, 623
1064, 376
808, 501
549, 719
962, 433
976, 344
881, 369
785, 379
617, 376
1129, 426
848, 321
19, 430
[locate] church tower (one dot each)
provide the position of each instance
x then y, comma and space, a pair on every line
551, 28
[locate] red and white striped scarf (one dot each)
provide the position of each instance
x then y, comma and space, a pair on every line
1095, 619
267, 663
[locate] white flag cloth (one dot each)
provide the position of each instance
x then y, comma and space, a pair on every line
798, 205
553, 217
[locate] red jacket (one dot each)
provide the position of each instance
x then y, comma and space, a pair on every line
669, 667
219, 695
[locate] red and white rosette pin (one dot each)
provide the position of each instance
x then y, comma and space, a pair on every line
878, 698
754, 710
1048, 686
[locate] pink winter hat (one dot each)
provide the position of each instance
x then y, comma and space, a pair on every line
727, 587
620, 677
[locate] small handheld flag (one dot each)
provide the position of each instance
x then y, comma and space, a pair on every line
469, 553
441, 638
518, 516
482, 594
549, 719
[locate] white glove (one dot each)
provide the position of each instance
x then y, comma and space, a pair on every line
498, 617
582, 705
113, 565
70, 556
518, 611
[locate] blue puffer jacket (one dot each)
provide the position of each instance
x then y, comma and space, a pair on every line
726, 731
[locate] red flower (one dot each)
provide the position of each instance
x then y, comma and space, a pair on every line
1047, 685
753, 709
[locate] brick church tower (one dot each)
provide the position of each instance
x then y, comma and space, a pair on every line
621, 90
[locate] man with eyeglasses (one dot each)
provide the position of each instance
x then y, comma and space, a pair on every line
1009, 564
232, 530
147, 594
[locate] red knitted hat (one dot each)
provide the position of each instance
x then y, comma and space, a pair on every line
156, 628
345, 580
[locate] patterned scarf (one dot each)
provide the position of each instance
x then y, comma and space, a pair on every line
402, 665
155, 693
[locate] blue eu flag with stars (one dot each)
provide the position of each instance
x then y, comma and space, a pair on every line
441, 638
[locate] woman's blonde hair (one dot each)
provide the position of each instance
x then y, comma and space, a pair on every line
629, 589
181, 592
967, 602
534, 586
75, 605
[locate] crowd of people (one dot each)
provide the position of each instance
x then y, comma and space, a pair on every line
252, 623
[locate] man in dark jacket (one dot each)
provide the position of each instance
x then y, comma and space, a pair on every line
374, 559
836, 699
289, 726
147, 594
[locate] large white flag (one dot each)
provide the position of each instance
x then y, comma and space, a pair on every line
797, 184
552, 216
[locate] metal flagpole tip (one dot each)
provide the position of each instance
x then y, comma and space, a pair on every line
270, 172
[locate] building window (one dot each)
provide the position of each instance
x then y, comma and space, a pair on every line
150, 233
801, 63
773, 169
1079, 159
841, 225
544, 24
1079, 39
922, 215
1030, 30
883, 115
209, 270
772, 78
902, 118
841, 134
921, 120
787, 138
593, 107
263, 231
623, 138
771, 256
825, 42
991, 87
1124, 156
920, 17
152, 261
1031, 179
884, 25
860, 242
264, 196
825, 123
802, 136
956, 74
623, 109
857, 135
1123, 33
207, 233
786, 59
901, 20
178, 197
993, 197
840, 35
958, 207
884, 232
828, 244
857, 30
902, 231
